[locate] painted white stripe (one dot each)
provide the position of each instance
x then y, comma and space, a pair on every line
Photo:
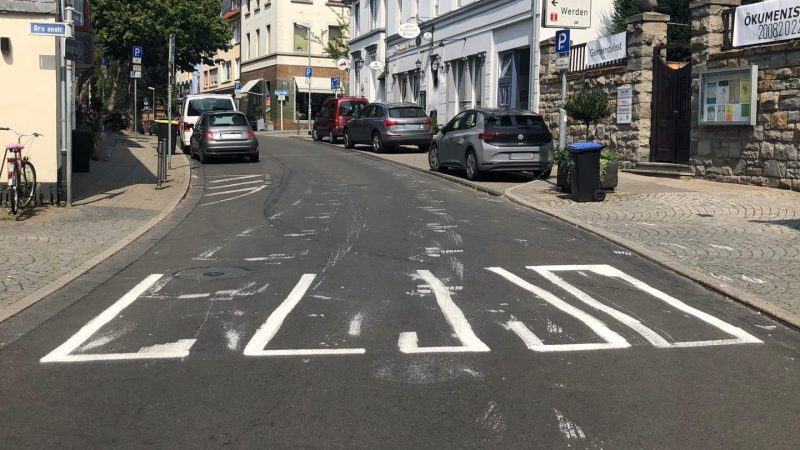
209, 253
408, 342
651, 336
187, 296
252, 191
233, 191
232, 178
179, 349
612, 339
355, 325
741, 336
235, 184
267, 331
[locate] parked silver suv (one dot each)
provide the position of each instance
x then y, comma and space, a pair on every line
483, 140
385, 125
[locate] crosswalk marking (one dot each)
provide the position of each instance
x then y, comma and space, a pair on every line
612, 339
179, 349
257, 344
408, 343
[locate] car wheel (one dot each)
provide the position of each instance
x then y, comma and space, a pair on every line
254, 158
433, 159
473, 173
348, 140
315, 135
377, 143
424, 147
332, 137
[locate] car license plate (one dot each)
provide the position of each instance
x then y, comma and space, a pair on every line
520, 156
230, 135
421, 126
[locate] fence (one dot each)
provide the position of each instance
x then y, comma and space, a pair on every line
577, 60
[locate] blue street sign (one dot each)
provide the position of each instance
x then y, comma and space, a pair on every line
562, 41
48, 29
237, 86
308, 72
335, 83
281, 92
146, 101
137, 51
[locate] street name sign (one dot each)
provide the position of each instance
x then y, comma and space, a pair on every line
50, 29
562, 41
567, 14
281, 92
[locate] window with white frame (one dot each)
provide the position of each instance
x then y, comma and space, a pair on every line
300, 38
267, 40
213, 75
258, 43
403, 84
334, 33
237, 69
247, 47
237, 34
226, 71
357, 17
374, 7
413, 80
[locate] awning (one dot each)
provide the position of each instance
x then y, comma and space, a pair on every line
318, 85
248, 87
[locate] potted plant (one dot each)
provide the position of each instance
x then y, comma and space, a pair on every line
561, 160
609, 168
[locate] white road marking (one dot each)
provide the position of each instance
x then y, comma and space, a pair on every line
259, 341
235, 191
209, 253
741, 336
232, 337
232, 178
62, 353
567, 428
236, 184
251, 191
355, 325
189, 296
408, 341
612, 339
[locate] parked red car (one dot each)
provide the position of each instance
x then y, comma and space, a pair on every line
334, 114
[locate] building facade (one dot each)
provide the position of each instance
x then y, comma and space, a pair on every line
470, 53
275, 51
222, 76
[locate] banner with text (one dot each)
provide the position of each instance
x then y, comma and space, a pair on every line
765, 22
607, 49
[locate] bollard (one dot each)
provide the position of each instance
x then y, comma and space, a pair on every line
51, 195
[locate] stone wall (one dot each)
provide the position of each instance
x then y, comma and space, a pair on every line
765, 154
631, 141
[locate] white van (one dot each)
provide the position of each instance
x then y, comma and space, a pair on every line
195, 105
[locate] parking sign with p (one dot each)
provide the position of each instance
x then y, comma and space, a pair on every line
562, 41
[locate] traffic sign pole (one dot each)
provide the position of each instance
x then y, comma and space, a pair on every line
562, 52
535, 54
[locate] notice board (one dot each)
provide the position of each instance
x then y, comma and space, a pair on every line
729, 96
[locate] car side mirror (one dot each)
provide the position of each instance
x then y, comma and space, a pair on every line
444, 130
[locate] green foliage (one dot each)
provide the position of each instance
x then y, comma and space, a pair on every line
607, 157
200, 32
621, 10
678, 30
588, 107
337, 46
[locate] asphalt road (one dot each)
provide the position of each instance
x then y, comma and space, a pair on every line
325, 299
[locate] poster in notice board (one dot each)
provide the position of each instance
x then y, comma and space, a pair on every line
729, 96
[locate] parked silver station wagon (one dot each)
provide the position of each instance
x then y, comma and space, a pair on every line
385, 125
493, 140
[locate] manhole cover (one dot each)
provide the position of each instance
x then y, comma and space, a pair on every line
212, 273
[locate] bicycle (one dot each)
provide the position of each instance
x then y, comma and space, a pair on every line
21, 173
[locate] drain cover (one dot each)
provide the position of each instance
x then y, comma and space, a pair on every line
212, 273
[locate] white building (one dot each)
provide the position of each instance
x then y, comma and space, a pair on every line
478, 53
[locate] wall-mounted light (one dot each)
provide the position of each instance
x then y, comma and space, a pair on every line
418, 64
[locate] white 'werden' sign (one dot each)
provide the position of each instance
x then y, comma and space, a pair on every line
765, 22
607, 49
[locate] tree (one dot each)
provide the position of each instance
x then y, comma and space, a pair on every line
621, 10
336, 46
200, 32
588, 107
678, 30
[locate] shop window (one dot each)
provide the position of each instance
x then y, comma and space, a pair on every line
300, 38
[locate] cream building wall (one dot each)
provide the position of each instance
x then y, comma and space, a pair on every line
28, 76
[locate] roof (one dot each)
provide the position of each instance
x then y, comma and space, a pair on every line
29, 6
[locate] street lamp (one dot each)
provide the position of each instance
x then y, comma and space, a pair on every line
307, 26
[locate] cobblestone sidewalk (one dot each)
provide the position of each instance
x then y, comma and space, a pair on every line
114, 202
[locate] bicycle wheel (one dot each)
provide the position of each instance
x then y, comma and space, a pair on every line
27, 184
13, 194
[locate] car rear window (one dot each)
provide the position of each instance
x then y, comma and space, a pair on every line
201, 105
231, 120
516, 121
351, 108
406, 112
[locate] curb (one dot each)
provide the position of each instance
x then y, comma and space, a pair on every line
737, 295
752, 301
37, 295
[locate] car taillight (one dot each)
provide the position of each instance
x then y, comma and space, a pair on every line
186, 126
337, 122
209, 136
251, 134
389, 123
489, 135
427, 122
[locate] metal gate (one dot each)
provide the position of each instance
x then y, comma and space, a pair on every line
672, 112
